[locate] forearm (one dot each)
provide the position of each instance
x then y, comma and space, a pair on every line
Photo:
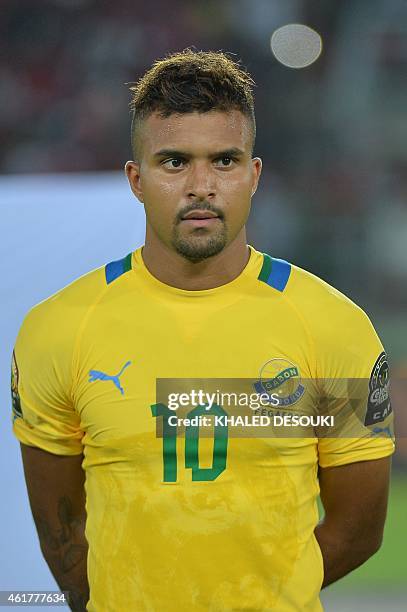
69, 569
341, 553
65, 550
56, 490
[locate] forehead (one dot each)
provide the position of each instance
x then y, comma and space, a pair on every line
196, 131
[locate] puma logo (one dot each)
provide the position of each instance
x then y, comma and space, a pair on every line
378, 430
98, 375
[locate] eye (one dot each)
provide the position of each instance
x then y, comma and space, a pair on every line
170, 161
228, 159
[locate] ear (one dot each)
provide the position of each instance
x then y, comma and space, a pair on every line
257, 165
132, 170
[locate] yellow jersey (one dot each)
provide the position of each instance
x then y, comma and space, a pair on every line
214, 522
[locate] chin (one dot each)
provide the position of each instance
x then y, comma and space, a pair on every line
198, 249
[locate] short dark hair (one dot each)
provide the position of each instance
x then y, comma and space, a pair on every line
189, 81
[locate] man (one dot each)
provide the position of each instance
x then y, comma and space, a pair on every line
231, 522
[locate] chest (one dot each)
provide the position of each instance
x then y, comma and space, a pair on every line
131, 358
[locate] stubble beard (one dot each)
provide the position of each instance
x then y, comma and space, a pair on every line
199, 246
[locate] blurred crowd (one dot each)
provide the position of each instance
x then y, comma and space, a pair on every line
332, 136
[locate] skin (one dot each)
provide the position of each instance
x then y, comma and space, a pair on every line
355, 502
197, 255
55, 486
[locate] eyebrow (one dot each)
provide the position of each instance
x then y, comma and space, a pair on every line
232, 152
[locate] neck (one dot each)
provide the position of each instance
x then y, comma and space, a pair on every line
172, 269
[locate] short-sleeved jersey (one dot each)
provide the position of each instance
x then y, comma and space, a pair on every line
221, 524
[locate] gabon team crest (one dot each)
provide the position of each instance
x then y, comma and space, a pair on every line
282, 378
15, 397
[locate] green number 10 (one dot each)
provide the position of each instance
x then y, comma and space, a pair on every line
220, 444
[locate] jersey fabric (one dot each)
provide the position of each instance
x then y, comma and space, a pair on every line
165, 531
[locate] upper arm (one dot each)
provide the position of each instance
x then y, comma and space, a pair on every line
44, 414
355, 389
55, 486
46, 423
355, 499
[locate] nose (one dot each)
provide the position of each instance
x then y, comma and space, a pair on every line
201, 182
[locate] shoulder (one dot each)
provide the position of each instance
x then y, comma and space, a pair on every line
72, 301
62, 311
342, 331
317, 299
56, 320
324, 310
48, 335
305, 291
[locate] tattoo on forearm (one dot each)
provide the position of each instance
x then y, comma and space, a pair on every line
62, 539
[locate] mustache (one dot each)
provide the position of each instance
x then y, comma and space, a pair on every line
199, 206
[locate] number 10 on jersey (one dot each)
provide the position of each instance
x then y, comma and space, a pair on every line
220, 444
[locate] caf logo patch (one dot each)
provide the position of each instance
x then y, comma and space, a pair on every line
378, 404
15, 397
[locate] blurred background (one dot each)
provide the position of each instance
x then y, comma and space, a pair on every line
332, 197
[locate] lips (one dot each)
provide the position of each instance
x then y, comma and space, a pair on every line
200, 214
